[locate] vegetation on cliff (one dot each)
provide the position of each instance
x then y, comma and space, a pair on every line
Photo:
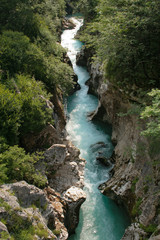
124, 36
31, 68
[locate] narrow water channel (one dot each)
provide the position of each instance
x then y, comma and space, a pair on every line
100, 217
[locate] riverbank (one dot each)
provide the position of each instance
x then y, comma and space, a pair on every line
27, 212
135, 180
100, 218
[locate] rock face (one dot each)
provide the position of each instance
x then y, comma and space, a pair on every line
25, 206
68, 24
74, 197
54, 211
83, 58
65, 168
44, 139
136, 174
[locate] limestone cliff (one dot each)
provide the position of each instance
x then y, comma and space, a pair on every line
135, 181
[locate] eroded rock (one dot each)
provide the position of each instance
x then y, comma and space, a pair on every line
133, 232
68, 24
65, 169
23, 206
74, 197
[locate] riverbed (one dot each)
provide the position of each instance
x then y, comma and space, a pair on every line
100, 217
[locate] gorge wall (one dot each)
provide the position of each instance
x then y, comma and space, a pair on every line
135, 177
51, 213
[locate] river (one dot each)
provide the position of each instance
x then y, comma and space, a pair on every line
100, 217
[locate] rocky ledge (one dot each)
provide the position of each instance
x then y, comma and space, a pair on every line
40, 214
64, 167
135, 181
51, 213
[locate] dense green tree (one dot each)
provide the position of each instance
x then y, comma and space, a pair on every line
152, 114
22, 108
126, 36
10, 115
31, 65
18, 54
15, 164
87, 7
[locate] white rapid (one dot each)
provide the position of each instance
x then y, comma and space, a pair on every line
100, 218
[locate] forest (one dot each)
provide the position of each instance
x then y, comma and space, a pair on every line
31, 68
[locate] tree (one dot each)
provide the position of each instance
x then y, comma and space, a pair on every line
15, 164
23, 108
152, 114
126, 36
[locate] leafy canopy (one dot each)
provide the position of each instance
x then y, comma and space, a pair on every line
23, 108
15, 164
125, 35
152, 114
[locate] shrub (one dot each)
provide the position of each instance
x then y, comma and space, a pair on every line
20, 166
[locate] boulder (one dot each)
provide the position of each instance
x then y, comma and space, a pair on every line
56, 155
65, 167
68, 24
74, 198
105, 161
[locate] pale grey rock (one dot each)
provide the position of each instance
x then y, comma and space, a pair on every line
27, 202
68, 24
65, 169
74, 198
73, 194
133, 232
56, 154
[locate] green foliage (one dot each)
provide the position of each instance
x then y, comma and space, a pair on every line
19, 228
23, 15
17, 165
146, 188
35, 113
23, 109
149, 229
4, 235
56, 232
18, 54
41, 231
152, 114
133, 187
29, 55
5, 205
136, 208
10, 114
125, 35
135, 109
87, 7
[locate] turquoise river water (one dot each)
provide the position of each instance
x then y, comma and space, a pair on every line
100, 217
